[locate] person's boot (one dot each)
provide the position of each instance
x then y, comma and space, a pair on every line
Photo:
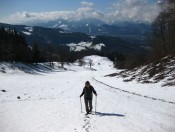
87, 113
90, 111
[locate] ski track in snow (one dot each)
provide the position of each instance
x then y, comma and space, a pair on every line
49, 102
162, 100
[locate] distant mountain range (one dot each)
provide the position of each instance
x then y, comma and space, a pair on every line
44, 36
121, 37
97, 27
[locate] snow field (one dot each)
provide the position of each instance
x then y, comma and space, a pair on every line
49, 102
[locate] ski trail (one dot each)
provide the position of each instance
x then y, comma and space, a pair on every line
128, 92
137, 112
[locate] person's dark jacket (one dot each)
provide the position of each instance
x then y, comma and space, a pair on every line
87, 92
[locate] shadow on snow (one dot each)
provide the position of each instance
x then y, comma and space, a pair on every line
30, 68
109, 114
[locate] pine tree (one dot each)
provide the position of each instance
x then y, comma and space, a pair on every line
36, 53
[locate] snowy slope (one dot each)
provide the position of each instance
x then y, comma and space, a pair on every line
161, 70
84, 46
49, 102
19, 68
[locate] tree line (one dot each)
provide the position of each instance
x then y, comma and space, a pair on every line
14, 48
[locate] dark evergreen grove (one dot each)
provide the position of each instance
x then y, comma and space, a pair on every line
13, 46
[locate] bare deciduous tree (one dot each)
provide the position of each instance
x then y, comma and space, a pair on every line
90, 63
81, 62
163, 31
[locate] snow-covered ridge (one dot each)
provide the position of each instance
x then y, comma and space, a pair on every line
27, 33
30, 29
84, 46
159, 71
63, 26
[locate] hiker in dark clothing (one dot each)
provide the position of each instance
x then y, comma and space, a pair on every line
87, 92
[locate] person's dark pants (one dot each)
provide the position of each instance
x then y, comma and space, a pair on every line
88, 105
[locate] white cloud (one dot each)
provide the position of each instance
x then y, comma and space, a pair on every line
121, 10
134, 10
24, 17
97, 14
84, 9
87, 4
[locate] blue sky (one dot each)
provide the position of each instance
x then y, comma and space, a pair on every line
24, 11
46, 5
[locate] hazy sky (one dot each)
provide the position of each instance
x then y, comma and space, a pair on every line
25, 11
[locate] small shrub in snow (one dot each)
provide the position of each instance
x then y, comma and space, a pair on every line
3, 90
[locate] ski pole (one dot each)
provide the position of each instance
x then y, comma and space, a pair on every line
81, 105
95, 104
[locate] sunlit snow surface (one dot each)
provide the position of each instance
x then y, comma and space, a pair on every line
49, 100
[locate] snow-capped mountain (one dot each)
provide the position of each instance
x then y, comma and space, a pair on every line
97, 27
44, 36
57, 36
129, 31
